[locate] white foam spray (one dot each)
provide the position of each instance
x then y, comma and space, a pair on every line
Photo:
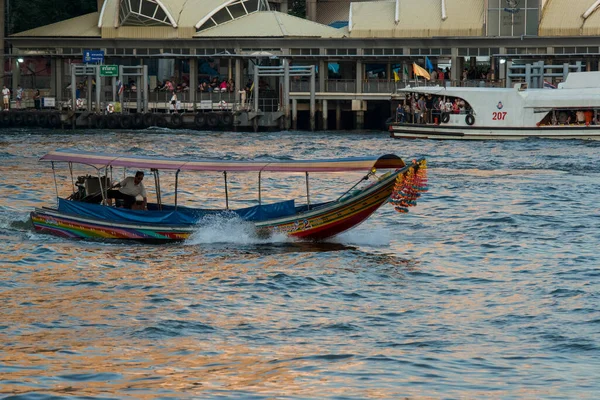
228, 227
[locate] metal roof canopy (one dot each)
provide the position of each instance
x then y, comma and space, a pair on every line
284, 71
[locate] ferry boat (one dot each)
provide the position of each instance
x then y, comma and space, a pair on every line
570, 111
85, 213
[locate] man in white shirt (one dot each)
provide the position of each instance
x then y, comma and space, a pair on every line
6, 97
129, 188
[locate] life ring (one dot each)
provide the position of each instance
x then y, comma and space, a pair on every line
212, 120
138, 120
445, 117
200, 120
17, 118
30, 119
470, 119
176, 120
110, 108
227, 119
126, 121
149, 120
54, 120
79, 103
223, 105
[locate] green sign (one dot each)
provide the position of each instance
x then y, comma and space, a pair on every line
109, 70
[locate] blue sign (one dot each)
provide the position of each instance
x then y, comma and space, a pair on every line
93, 56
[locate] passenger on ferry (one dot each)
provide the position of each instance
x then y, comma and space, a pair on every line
428, 109
422, 106
455, 107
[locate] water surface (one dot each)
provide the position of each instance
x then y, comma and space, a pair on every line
488, 289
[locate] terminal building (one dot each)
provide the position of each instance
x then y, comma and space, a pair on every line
357, 52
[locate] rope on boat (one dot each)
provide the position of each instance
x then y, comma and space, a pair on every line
409, 186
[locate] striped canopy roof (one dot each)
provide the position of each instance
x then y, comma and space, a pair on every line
190, 164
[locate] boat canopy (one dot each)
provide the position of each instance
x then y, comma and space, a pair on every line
191, 164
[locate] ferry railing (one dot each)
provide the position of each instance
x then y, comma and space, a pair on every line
378, 86
303, 86
340, 85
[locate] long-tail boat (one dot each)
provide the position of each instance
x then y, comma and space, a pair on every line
86, 213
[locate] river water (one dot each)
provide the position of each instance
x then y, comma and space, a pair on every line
489, 288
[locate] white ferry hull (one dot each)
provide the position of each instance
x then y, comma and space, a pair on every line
445, 132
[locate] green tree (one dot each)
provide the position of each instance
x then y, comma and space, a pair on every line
28, 14
298, 8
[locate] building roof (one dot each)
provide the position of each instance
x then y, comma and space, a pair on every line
82, 26
565, 18
376, 19
270, 24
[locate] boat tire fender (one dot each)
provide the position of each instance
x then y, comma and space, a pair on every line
30, 119
112, 121
227, 119
6, 119
161, 121
470, 119
200, 120
138, 120
100, 122
149, 120
126, 121
42, 119
17, 118
212, 120
176, 120
445, 117
54, 120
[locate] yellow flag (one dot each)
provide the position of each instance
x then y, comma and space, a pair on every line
420, 71
396, 76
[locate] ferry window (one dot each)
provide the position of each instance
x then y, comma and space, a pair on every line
512, 18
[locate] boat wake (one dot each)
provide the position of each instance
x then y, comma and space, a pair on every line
230, 228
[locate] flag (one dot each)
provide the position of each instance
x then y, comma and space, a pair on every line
548, 85
396, 76
428, 64
420, 71
405, 71
119, 87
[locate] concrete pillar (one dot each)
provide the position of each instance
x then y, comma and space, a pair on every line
322, 75
360, 119
338, 115
59, 64
456, 67
324, 114
2, 28
284, 7
286, 93
16, 75
239, 85
295, 114
229, 69
312, 99
193, 80
311, 10
388, 72
359, 76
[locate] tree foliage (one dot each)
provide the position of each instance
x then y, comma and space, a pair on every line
297, 8
28, 14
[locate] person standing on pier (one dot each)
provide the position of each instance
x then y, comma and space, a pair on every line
19, 96
6, 97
